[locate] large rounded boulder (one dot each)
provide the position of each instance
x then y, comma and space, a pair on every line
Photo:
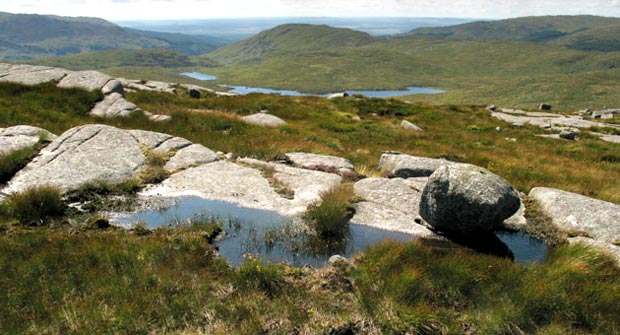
466, 199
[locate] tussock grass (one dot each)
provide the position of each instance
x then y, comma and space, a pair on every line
36, 206
329, 219
462, 291
12, 162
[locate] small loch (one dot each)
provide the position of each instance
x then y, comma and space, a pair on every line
367, 93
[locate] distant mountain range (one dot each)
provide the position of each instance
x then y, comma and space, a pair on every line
28, 36
575, 32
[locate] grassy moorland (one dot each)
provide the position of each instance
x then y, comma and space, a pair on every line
463, 133
79, 281
74, 274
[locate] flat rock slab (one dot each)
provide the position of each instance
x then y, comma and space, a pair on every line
246, 186
608, 138
406, 166
320, 162
375, 215
21, 137
543, 120
87, 80
264, 119
395, 193
308, 185
32, 75
192, 155
82, 155
390, 204
600, 219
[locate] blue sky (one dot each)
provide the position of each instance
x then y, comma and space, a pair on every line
204, 9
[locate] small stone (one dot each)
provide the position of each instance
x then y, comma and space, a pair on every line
263, 119
491, 108
410, 126
338, 95
544, 107
337, 260
193, 93
568, 135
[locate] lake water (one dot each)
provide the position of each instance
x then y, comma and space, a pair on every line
370, 93
198, 75
248, 230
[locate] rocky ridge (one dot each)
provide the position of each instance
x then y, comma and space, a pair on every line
559, 123
113, 104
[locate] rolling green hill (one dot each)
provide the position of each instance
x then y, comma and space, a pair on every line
575, 32
477, 72
106, 59
290, 39
28, 36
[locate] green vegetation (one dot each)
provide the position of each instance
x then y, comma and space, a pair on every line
571, 31
14, 161
328, 127
255, 275
505, 73
155, 172
102, 196
170, 281
290, 39
329, 219
59, 109
436, 288
120, 58
36, 206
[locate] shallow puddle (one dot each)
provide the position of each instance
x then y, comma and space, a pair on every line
276, 238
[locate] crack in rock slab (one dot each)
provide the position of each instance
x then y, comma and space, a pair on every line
82, 155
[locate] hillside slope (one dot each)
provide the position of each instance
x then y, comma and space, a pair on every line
576, 32
28, 36
289, 40
510, 72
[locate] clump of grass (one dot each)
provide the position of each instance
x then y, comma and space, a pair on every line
540, 225
253, 274
329, 219
101, 195
140, 229
155, 172
12, 162
36, 206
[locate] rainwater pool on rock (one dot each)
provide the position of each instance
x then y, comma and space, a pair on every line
251, 230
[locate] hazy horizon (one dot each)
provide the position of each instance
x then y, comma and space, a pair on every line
157, 10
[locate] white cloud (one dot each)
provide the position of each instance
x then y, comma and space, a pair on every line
174, 9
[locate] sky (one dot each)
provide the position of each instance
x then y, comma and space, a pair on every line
205, 9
